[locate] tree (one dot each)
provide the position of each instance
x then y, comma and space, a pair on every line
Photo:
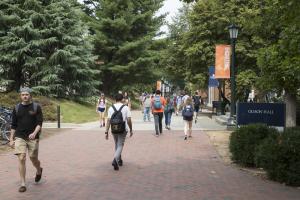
124, 41
279, 62
45, 45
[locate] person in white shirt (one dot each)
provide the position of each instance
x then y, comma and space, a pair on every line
119, 138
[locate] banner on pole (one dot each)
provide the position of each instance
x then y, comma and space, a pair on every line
212, 82
158, 85
222, 62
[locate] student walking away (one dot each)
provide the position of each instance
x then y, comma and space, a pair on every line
118, 115
179, 103
157, 105
197, 104
169, 109
147, 107
27, 119
100, 108
187, 114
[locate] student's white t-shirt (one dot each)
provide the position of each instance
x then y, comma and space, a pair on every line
125, 111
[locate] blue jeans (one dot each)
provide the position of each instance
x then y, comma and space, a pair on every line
168, 116
147, 113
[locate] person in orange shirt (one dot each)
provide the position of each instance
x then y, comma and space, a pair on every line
158, 104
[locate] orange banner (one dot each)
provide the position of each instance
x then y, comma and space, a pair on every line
222, 65
158, 85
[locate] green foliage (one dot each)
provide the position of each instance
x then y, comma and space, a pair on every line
245, 140
48, 107
279, 155
45, 45
245, 81
123, 39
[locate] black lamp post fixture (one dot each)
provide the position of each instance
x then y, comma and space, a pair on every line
233, 31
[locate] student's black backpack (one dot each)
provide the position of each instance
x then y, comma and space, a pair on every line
197, 101
188, 112
118, 126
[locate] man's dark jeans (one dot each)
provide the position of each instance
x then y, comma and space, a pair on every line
158, 117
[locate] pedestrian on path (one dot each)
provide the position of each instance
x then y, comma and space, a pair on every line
197, 104
157, 105
179, 103
168, 111
187, 114
100, 108
118, 115
127, 100
27, 119
147, 107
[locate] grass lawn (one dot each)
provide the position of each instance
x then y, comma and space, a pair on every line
72, 112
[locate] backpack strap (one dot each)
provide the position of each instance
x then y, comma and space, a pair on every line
119, 109
35, 106
17, 107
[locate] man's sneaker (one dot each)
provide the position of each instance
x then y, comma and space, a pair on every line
115, 164
22, 189
185, 138
120, 163
38, 176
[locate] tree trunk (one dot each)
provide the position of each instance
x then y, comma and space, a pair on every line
291, 107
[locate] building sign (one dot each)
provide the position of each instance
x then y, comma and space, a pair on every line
271, 114
212, 82
158, 85
222, 62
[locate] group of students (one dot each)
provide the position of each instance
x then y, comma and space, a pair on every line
164, 107
27, 119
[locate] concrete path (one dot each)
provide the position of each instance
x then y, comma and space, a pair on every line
77, 165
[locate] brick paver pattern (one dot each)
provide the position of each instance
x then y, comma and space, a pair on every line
77, 165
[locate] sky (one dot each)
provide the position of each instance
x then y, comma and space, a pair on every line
170, 6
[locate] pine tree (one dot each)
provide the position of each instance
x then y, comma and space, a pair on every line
45, 45
123, 40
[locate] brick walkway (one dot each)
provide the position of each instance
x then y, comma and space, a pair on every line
77, 165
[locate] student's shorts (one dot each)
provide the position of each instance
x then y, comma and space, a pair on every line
197, 108
21, 146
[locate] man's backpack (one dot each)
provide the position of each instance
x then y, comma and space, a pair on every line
35, 106
157, 103
197, 101
188, 112
118, 126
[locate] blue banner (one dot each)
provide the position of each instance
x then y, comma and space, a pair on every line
212, 82
271, 114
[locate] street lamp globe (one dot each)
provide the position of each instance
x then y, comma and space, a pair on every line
233, 31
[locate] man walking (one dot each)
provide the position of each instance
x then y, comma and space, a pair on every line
157, 104
27, 119
197, 103
118, 115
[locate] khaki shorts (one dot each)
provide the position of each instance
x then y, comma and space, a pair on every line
22, 145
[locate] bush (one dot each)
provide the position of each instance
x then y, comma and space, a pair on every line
245, 140
49, 108
279, 155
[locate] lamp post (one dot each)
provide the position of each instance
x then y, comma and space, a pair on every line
233, 31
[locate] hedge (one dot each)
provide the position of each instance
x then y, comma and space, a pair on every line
279, 155
245, 140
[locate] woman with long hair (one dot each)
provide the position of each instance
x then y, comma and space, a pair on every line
100, 108
188, 114
126, 100
169, 109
